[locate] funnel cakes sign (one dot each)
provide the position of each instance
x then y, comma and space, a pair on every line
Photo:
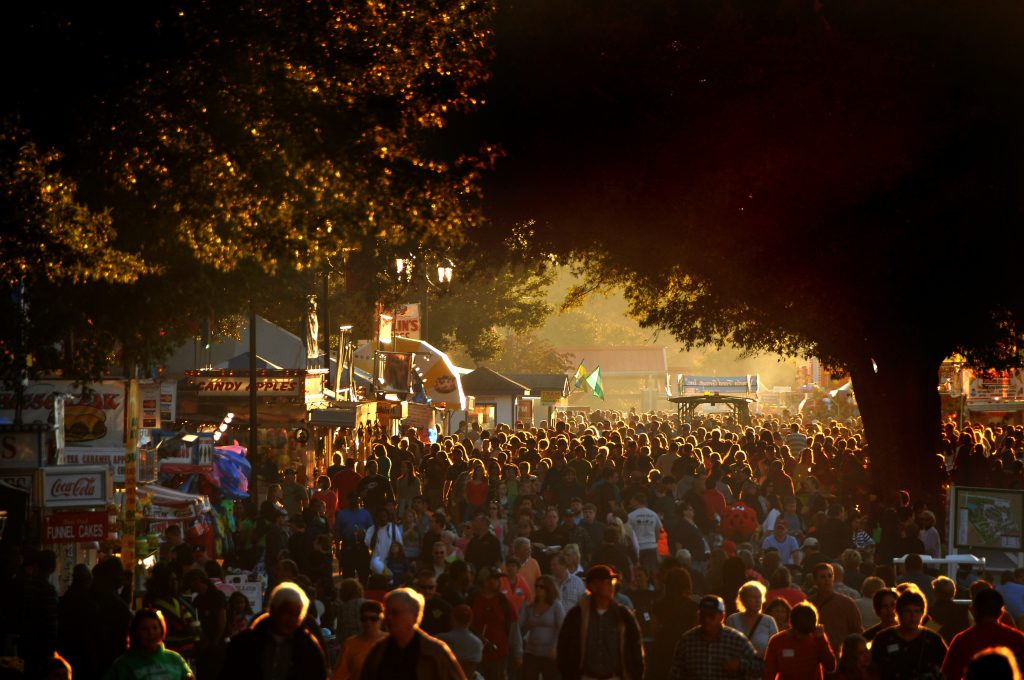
92, 419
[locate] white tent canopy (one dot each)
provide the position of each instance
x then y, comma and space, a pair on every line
848, 388
274, 345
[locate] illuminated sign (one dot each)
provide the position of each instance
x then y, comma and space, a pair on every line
239, 386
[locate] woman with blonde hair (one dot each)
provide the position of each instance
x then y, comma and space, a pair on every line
626, 537
573, 558
757, 626
865, 603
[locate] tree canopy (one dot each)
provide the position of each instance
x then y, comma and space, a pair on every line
215, 144
829, 179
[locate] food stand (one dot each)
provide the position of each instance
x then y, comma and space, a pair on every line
284, 397
78, 514
198, 482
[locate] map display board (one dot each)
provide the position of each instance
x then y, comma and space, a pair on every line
988, 518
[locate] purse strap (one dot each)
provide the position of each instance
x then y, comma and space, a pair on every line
757, 622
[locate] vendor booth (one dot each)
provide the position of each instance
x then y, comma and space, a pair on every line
547, 392
198, 484
432, 385
497, 399
59, 468
77, 513
433, 372
284, 397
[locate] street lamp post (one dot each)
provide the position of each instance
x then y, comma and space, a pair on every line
406, 269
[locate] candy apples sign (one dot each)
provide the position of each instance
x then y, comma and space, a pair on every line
69, 486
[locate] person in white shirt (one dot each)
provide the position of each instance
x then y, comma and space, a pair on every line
570, 585
666, 460
929, 534
781, 540
379, 538
647, 526
755, 625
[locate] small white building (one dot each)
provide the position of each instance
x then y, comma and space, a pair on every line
495, 399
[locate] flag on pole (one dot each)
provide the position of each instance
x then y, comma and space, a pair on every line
594, 383
580, 377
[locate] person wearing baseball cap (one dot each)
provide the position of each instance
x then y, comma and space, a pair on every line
711, 650
813, 556
600, 639
781, 540
496, 624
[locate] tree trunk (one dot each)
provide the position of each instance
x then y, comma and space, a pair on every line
900, 407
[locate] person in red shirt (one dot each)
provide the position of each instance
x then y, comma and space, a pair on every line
987, 632
713, 498
802, 652
514, 586
325, 493
476, 491
345, 482
781, 586
496, 625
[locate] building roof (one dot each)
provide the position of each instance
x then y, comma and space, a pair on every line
485, 381
542, 382
621, 361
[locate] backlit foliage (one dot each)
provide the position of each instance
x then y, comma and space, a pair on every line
235, 148
48, 235
286, 134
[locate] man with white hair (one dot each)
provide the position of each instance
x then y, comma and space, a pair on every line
276, 646
408, 652
529, 569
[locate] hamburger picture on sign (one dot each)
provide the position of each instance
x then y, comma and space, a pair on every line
93, 414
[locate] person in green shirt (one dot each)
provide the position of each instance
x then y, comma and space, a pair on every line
295, 498
146, 658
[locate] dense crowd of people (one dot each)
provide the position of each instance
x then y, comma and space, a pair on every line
614, 546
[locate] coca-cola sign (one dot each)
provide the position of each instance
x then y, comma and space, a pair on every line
82, 487
76, 486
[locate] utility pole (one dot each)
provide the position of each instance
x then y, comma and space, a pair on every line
253, 437
325, 320
424, 292
20, 352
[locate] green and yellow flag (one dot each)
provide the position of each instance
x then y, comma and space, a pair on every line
580, 377
594, 383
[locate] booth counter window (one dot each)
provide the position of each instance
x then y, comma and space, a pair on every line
486, 414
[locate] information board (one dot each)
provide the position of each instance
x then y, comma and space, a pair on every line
987, 518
